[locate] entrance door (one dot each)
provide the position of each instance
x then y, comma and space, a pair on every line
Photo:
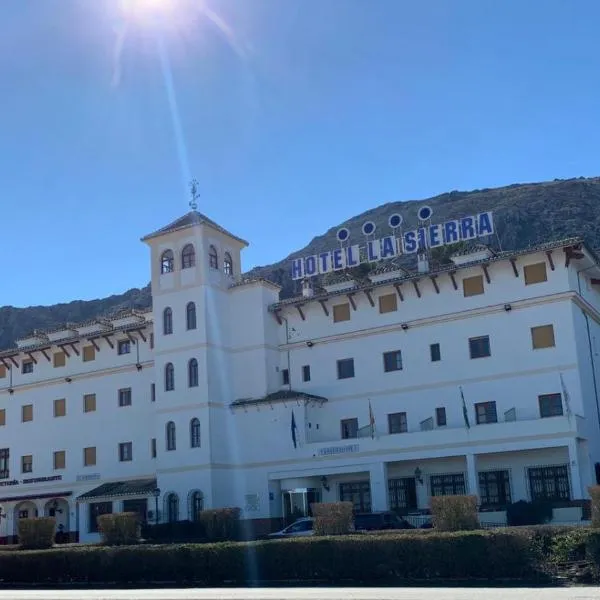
137, 506
297, 503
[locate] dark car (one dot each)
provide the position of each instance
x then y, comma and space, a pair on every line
378, 521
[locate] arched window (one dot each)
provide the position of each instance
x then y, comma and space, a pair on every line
190, 315
213, 259
196, 504
195, 433
188, 257
193, 373
228, 264
172, 508
169, 377
167, 321
171, 438
167, 262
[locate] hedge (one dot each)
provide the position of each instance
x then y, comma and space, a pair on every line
36, 532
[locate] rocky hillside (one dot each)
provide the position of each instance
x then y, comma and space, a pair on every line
524, 214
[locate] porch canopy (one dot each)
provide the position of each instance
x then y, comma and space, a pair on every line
120, 489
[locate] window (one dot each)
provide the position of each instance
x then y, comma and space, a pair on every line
188, 257
542, 337
2, 417
4, 463
190, 316
89, 353
306, 373
392, 361
167, 321
60, 407
60, 459
27, 413
152, 392
27, 366
89, 403
359, 493
170, 433
228, 264
485, 412
153, 448
124, 347
349, 428
403, 494
535, 273
89, 456
549, 483
59, 359
494, 488
195, 433
341, 312
193, 373
126, 451
435, 352
96, 509
440, 416
388, 303
285, 377
139, 506
448, 485
167, 262
27, 463
172, 508
345, 368
196, 505
473, 286
397, 423
213, 259
169, 377
151, 341
479, 347
125, 397
550, 405
2, 371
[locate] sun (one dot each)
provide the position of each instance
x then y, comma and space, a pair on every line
147, 8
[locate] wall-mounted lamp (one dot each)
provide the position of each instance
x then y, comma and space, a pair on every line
138, 367
11, 391
404, 326
418, 475
507, 307
325, 483
55, 507
310, 344
68, 379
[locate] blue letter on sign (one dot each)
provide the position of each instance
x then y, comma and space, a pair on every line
410, 242
486, 224
337, 257
310, 266
388, 246
352, 256
324, 262
451, 233
297, 270
435, 236
467, 228
373, 250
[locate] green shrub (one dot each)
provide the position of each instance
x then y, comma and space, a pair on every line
570, 546
454, 513
120, 529
332, 518
220, 524
595, 502
528, 513
36, 533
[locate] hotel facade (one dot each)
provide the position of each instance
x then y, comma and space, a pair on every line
477, 377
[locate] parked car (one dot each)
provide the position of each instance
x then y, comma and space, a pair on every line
301, 527
380, 520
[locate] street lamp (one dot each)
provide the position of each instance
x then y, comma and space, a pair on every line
156, 493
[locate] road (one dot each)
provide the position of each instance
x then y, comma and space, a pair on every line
575, 593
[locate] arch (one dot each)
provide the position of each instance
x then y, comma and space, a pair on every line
25, 510
193, 373
188, 257
172, 507
168, 321
169, 377
213, 258
171, 435
190, 315
167, 262
195, 433
59, 509
227, 264
195, 504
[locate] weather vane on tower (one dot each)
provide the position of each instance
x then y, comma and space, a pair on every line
194, 193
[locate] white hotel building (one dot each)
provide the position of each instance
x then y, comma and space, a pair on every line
190, 405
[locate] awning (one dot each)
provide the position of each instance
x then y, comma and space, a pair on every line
35, 497
135, 487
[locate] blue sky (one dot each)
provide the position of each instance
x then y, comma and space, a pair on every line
296, 114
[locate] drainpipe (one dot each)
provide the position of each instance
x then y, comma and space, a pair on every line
287, 341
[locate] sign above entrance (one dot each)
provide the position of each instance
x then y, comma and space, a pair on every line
338, 450
31, 480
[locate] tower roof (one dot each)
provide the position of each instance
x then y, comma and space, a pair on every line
191, 219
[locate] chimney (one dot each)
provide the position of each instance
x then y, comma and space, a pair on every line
422, 262
307, 290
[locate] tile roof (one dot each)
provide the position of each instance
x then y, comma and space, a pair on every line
278, 396
136, 487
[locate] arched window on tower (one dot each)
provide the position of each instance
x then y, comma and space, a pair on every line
196, 504
172, 502
170, 435
169, 377
167, 321
190, 315
193, 373
213, 259
228, 264
167, 262
188, 257
195, 433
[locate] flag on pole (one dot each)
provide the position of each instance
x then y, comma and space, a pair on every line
294, 430
566, 397
371, 420
464, 407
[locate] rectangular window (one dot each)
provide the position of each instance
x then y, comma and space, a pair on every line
479, 347
2, 416
357, 492
535, 273
59, 359
341, 312
397, 423
60, 459
542, 337
125, 397
126, 451
4, 463
306, 373
27, 463
448, 485
152, 392
27, 413
153, 448
402, 493
388, 303
345, 368
2, 371
89, 353
550, 405
485, 412
60, 407
89, 456
96, 509
473, 286
285, 376
392, 361
494, 488
549, 483
349, 428
27, 366
440, 416
89, 403
435, 352
124, 347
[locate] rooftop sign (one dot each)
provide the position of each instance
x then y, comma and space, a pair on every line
427, 235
